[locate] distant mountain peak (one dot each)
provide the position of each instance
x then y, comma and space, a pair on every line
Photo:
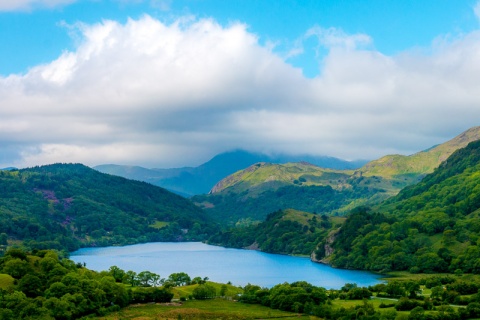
200, 180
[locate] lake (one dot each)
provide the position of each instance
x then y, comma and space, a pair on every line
240, 267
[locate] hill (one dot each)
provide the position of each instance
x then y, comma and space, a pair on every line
284, 231
65, 206
432, 226
300, 186
264, 187
422, 162
190, 181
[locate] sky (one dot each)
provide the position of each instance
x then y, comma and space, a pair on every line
171, 83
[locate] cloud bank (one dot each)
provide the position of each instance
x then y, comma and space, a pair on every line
160, 95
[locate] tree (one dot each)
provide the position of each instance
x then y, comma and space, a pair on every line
223, 290
3, 239
31, 285
117, 273
131, 278
17, 268
417, 313
147, 278
395, 289
448, 237
197, 280
179, 279
204, 291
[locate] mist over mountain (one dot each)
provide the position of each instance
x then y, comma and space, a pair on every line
190, 181
262, 188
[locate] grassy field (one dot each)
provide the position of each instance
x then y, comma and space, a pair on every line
206, 309
405, 275
185, 291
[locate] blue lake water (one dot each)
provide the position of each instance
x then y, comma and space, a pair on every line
220, 264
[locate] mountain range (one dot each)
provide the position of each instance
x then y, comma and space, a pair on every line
262, 188
190, 181
429, 227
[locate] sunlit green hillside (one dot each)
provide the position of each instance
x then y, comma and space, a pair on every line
262, 188
64, 206
432, 226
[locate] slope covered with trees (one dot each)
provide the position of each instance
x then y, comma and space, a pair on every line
284, 231
64, 206
432, 226
231, 208
45, 286
265, 187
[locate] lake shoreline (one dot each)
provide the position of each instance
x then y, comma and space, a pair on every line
240, 266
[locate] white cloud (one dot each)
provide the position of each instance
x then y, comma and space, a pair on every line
476, 10
335, 38
14, 5
158, 95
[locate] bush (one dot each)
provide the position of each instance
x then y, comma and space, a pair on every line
405, 304
204, 291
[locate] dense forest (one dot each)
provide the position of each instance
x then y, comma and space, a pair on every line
42, 285
429, 227
284, 231
65, 206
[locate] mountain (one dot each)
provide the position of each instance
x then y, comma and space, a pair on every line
190, 181
422, 162
432, 226
264, 187
65, 206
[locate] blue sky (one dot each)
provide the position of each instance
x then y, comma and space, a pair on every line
164, 83
34, 33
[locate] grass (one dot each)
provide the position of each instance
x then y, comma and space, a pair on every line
206, 309
298, 216
6, 281
185, 291
159, 224
405, 276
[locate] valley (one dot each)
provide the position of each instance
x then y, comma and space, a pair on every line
414, 214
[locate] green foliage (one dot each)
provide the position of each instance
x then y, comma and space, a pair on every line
231, 206
179, 279
204, 291
64, 206
54, 288
288, 232
429, 227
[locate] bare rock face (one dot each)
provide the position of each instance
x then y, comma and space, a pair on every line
327, 247
254, 246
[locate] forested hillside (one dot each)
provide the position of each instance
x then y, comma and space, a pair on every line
265, 187
433, 226
64, 206
284, 231
41, 285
